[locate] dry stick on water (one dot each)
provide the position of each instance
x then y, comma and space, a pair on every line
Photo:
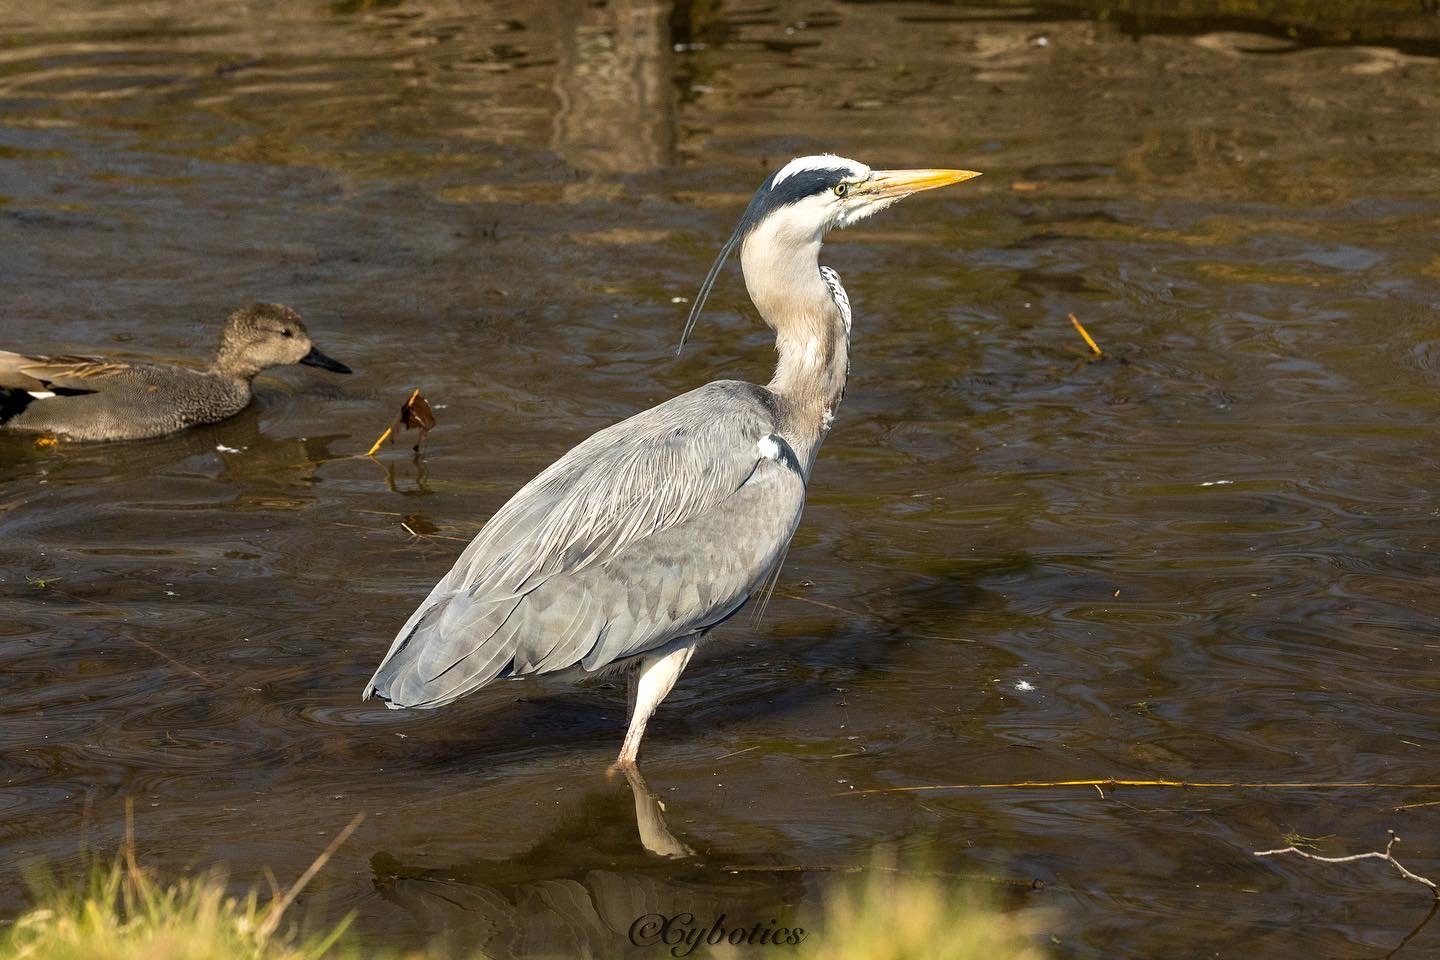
1412, 806
278, 907
1035, 884
1372, 855
874, 616
1086, 334
135, 640
1169, 784
131, 866
1415, 931
390, 430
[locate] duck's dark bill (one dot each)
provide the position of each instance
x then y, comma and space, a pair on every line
317, 359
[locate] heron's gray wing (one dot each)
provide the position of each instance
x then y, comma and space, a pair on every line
650, 529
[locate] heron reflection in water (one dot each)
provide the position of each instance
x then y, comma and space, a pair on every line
576, 882
629, 549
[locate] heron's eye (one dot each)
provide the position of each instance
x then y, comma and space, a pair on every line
841, 189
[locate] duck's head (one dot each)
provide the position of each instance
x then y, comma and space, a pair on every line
265, 335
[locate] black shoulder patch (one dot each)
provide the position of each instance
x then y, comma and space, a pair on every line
764, 397
741, 389
787, 454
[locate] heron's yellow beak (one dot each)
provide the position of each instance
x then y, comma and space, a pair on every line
902, 183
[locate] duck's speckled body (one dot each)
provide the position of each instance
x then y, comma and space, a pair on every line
88, 398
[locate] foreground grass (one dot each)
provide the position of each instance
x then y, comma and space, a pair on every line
891, 915
123, 913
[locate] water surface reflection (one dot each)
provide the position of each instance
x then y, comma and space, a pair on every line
1211, 556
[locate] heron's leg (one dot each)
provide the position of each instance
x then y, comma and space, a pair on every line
651, 683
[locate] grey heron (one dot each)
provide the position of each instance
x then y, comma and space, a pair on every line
627, 550
98, 398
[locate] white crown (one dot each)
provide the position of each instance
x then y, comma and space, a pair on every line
821, 161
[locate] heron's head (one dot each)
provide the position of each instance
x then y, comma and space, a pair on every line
810, 196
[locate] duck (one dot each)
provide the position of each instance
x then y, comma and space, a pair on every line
101, 398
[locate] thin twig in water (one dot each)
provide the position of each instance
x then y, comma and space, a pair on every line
821, 603
417, 536
390, 430
376, 445
1036, 884
414, 412
171, 660
278, 907
141, 643
131, 866
861, 616
1371, 855
1412, 806
1086, 334
1170, 784
1434, 907
86, 811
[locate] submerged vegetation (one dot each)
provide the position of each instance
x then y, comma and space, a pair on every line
123, 912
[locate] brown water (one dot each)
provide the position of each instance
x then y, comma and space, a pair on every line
1212, 556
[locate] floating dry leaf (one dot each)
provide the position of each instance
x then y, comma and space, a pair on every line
414, 412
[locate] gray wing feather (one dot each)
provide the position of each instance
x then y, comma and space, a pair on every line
653, 528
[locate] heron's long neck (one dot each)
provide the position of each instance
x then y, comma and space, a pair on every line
812, 337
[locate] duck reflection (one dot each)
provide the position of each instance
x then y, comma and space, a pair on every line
580, 890
617, 104
249, 455
240, 449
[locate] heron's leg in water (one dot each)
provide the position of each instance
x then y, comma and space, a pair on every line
650, 684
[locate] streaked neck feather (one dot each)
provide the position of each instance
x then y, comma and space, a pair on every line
811, 335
